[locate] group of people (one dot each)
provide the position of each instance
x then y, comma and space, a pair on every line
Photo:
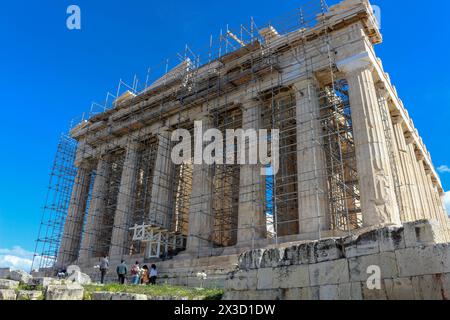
139, 275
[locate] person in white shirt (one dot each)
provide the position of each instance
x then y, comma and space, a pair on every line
153, 274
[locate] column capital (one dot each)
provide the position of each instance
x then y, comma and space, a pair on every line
357, 62
409, 137
382, 92
419, 155
396, 117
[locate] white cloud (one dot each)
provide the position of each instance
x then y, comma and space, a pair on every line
16, 258
444, 169
447, 201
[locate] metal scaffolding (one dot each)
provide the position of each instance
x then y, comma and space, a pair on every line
142, 194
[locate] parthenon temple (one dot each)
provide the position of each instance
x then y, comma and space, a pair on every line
350, 157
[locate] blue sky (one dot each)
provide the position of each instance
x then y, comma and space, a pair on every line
50, 75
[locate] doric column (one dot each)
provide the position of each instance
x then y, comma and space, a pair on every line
73, 227
124, 201
378, 201
201, 220
311, 163
437, 209
431, 213
409, 184
399, 179
160, 202
421, 201
251, 218
92, 237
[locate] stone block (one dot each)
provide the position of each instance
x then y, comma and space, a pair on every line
295, 294
272, 258
300, 254
373, 294
45, 281
362, 245
335, 292
21, 276
71, 291
399, 289
79, 277
128, 296
391, 238
422, 233
5, 273
418, 261
328, 250
291, 277
385, 260
250, 259
329, 272
445, 281
306, 294
272, 294
265, 278
30, 295
102, 296
8, 294
427, 287
233, 295
242, 280
8, 284
356, 291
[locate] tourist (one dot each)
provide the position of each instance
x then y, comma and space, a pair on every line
135, 273
145, 275
104, 266
122, 271
153, 274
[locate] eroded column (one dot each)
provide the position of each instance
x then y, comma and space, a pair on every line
160, 202
378, 201
92, 236
124, 201
311, 164
251, 218
73, 227
201, 220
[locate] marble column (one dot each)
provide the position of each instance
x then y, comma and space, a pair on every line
201, 219
159, 213
398, 174
378, 200
251, 218
73, 227
408, 184
431, 214
92, 232
423, 206
311, 163
124, 202
437, 209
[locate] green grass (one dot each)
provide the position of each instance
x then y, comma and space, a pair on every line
29, 287
157, 291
